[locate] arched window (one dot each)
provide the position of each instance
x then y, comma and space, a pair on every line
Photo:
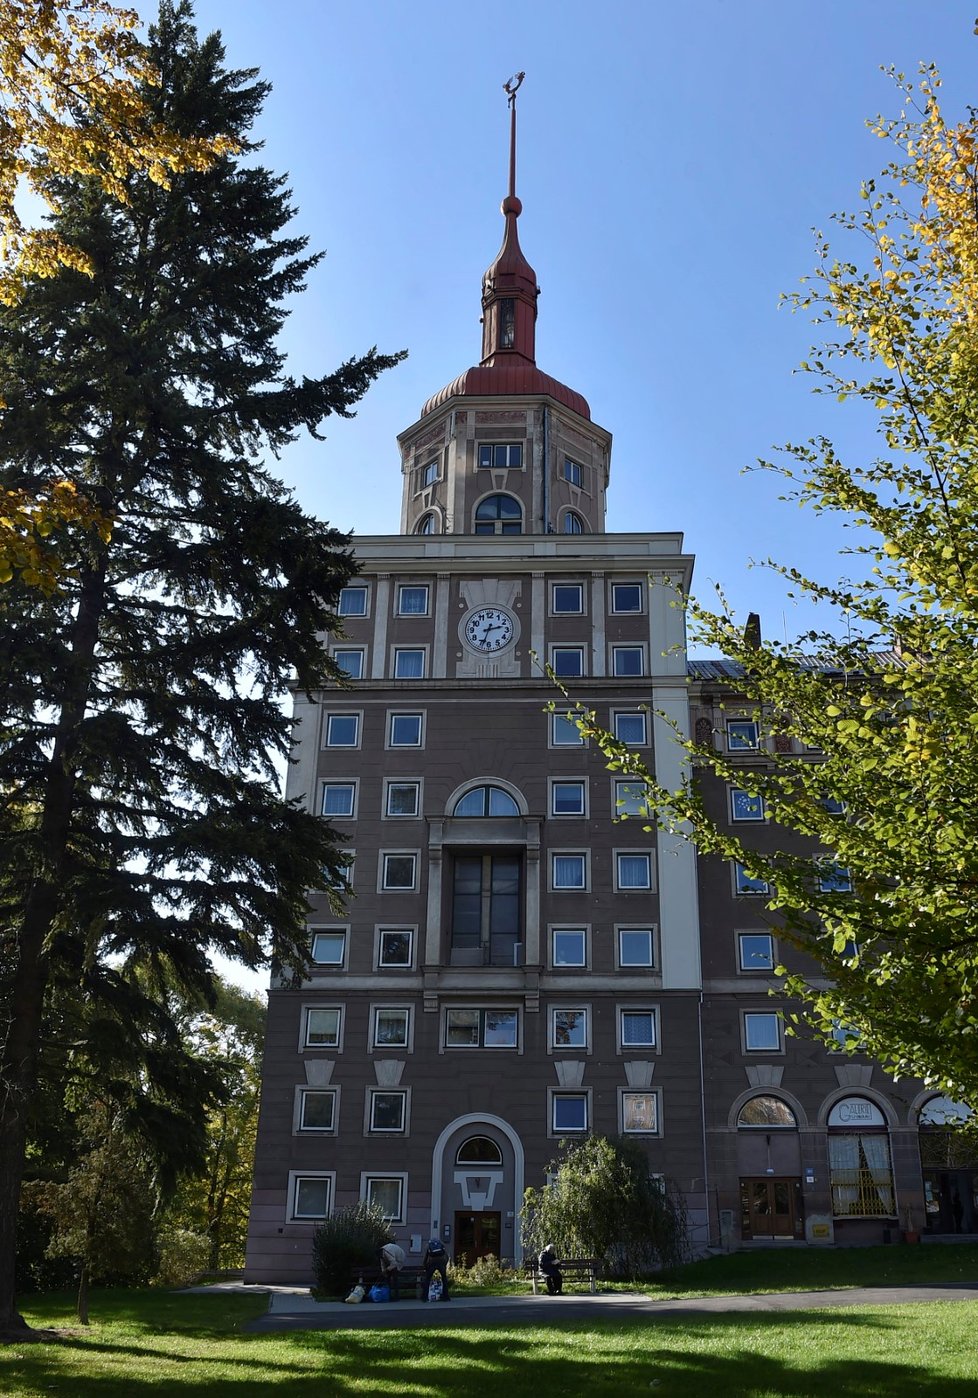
499, 514
942, 1111
486, 801
860, 1171
427, 524
572, 523
767, 1114
479, 1150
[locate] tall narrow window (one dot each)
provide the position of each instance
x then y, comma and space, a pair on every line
507, 322
486, 903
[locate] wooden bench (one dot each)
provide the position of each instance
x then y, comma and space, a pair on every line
408, 1277
577, 1268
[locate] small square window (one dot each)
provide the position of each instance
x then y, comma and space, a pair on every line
755, 951
630, 727
564, 732
747, 885
349, 661
342, 730
573, 472
403, 798
833, 877
742, 735
429, 474
569, 1028
395, 948
570, 871
386, 1193
342, 880
631, 798
328, 948
762, 1032
636, 947
638, 1029
317, 1111
310, 1196
634, 870
400, 871
322, 1028
640, 1113
387, 1111
353, 601
567, 662
405, 730
338, 798
413, 600
567, 599
627, 660
569, 1112
745, 805
408, 664
626, 597
833, 805
391, 1028
567, 798
501, 455
569, 946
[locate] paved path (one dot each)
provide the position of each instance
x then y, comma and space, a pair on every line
292, 1308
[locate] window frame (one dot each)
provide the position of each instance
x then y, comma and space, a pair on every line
620, 648
742, 968
336, 714
378, 1009
552, 1044
398, 1177
340, 930
373, 1095
653, 1045
403, 588
429, 474
619, 806
631, 713
573, 473
584, 856
751, 745
302, 1092
492, 448
566, 611
739, 873
388, 929
616, 610
389, 785
568, 929
831, 883
350, 784
296, 1179
393, 715
318, 1008
626, 929
581, 783
748, 1015
655, 1093
346, 594
644, 854
384, 884
573, 652
359, 651
756, 819
564, 716
562, 1094
482, 1010
398, 653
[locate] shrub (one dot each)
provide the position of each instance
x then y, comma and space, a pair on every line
349, 1238
485, 1271
183, 1256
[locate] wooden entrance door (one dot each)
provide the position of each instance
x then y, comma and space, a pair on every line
476, 1235
771, 1207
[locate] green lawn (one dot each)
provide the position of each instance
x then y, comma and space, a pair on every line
143, 1344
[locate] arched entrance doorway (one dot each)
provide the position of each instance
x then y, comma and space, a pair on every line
477, 1181
949, 1166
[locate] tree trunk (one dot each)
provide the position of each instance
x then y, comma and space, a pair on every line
82, 1306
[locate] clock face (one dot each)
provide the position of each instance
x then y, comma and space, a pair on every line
489, 629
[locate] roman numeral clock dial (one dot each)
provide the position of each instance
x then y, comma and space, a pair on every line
488, 629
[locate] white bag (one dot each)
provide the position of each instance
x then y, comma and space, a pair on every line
355, 1296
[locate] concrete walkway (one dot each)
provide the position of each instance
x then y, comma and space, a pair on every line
292, 1308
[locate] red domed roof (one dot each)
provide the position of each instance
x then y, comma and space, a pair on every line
512, 378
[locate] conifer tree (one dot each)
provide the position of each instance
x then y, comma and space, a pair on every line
140, 703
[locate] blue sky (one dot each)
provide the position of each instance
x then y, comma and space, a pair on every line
674, 159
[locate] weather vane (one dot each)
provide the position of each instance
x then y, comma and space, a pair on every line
513, 86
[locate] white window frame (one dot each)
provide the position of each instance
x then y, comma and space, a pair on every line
584, 856
561, 1093
313, 1008
383, 873
568, 650
582, 783
839, 871
737, 870
733, 792
631, 713
492, 448
347, 857
482, 1011
746, 1016
346, 596
359, 651
342, 931
356, 715
350, 783
369, 1177
646, 854
619, 806
626, 611
655, 1093
402, 588
652, 1046
552, 1043
565, 929
372, 1094
378, 1009
566, 611
429, 474
573, 472
304, 1090
746, 970
557, 721
619, 648
389, 784
296, 1178
397, 654
408, 930
624, 928
753, 739
393, 715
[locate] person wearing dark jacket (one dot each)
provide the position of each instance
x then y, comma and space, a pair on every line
550, 1268
435, 1259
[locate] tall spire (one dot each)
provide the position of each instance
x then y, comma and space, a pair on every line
509, 287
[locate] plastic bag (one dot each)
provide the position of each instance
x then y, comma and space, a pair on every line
379, 1292
355, 1296
434, 1289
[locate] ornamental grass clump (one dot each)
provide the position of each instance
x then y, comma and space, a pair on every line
348, 1239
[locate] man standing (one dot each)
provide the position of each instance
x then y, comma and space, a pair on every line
435, 1259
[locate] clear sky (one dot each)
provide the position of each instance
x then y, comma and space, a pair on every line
674, 159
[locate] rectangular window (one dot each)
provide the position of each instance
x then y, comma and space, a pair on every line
342, 730
755, 951
861, 1175
569, 871
567, 662
742, 735
634, 869
403, 798
564, 732
630, 727
567, 599
317, 1110
395, 948
631, 798
342, 880
353, 601
567, 798
385, 1193
429, 474
640, 1113
569, 946
746, 885
391, 1028
329, 948
745, 806
412, 600
338, 798
472, 1028
408, 664
487, 908
833, 805
501, 455
573, 472
400, 871
568, 1029
322, 1029
762, 1031
626, 597
833, 877
405, 730
388, 1111
310, 1197
638, 1029
569, 1112
627, 660
636, 947
349, 661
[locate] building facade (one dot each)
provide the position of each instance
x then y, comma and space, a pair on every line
519, 962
